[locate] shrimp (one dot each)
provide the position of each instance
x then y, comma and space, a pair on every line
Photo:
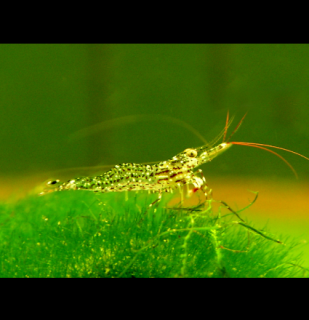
164, 176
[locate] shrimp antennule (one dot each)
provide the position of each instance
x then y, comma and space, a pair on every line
237, 127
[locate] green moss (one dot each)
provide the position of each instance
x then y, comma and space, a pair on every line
82, 234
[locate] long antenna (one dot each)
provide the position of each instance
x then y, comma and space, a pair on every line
262, 146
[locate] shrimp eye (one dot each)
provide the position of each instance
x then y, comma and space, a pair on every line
192, 153
53, 182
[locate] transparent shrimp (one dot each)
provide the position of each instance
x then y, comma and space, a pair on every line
164, 176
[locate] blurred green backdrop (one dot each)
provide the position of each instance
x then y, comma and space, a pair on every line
50, 91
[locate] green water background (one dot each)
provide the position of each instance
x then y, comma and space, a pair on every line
50, 91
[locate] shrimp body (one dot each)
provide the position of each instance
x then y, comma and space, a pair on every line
163, 176
160, 177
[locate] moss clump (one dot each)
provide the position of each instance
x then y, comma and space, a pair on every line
81, 234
